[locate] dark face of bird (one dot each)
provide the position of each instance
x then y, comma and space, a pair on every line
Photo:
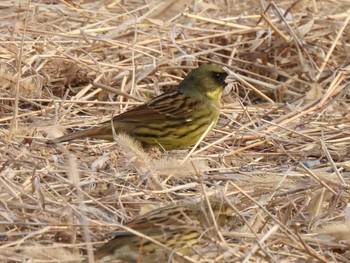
206, 80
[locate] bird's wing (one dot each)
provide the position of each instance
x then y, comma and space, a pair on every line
175, 105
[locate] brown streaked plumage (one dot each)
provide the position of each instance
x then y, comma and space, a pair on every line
164, 231
172, 120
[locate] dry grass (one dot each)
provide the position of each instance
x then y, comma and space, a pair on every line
69, 64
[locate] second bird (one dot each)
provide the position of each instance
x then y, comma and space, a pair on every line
172, 120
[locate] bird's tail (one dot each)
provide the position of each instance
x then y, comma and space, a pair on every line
101, 132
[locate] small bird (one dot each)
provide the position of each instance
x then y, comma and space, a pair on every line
164, 233
171, 120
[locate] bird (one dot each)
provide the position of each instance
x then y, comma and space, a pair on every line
172, 120
163, 233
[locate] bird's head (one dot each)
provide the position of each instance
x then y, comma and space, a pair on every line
206, 80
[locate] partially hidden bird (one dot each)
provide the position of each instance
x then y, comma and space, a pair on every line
168, 233
172, 120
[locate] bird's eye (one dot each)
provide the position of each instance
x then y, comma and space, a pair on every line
219, 77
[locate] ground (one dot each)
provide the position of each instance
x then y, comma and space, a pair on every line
278, 157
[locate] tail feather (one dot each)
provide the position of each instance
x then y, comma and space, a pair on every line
101, 132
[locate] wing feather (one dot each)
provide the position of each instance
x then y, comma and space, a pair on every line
175, 105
